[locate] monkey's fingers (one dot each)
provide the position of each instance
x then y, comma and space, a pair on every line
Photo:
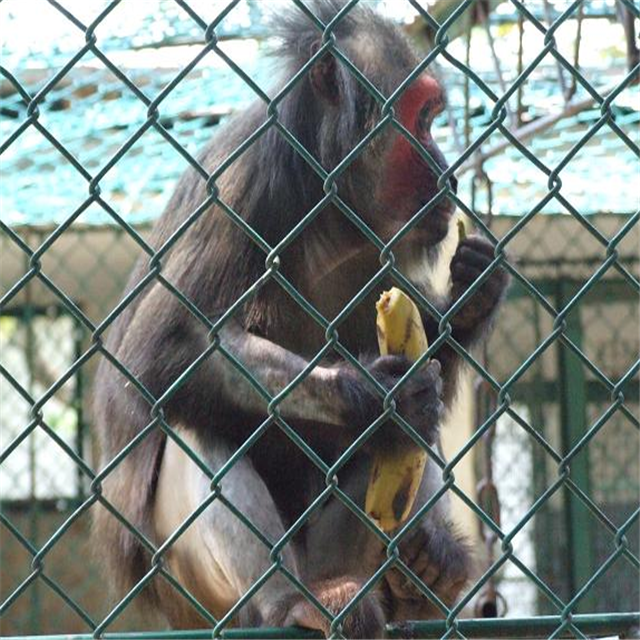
471, 260
438, 558
427, 380
477, 257
389, 368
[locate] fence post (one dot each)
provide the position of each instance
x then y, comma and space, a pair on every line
573, 424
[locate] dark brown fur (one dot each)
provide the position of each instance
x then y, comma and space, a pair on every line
213, 262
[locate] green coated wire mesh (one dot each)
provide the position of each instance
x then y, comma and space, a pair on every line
104, 103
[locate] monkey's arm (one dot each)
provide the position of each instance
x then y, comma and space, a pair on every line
324, 395
160, 351
164, 341
471, 324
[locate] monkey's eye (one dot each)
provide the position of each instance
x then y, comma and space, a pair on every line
425, 117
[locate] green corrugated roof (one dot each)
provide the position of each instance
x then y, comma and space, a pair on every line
93, 114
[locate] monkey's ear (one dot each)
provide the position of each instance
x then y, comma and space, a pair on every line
324, 76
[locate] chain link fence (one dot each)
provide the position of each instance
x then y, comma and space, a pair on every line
99, 121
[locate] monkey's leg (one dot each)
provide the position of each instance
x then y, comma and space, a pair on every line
341, 545
342, 554
218, 558
434, 552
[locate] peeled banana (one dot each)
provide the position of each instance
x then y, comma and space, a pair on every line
395, 476
462, 231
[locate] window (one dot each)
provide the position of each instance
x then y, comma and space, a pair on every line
36, 348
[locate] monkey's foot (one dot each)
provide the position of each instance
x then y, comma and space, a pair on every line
365, 620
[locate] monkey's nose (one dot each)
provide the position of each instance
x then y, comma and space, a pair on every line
453, 181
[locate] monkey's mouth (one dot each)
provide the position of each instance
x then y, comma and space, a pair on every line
442, 211
446, 207
432, 225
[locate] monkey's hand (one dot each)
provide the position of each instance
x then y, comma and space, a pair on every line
473, 255
418, 400
440, 559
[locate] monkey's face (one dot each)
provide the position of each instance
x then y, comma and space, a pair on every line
407, 182
395, 180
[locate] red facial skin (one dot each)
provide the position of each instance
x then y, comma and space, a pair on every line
409, 180
424, 90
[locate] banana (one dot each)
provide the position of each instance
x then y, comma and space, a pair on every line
395, 476
399, 326
462, 231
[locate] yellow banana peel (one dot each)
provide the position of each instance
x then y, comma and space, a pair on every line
396, 476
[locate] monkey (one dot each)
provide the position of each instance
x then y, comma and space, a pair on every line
238, 236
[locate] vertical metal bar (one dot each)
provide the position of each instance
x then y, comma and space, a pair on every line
467, 89
560, 71
577, 47
29, 352
485, 18
628, 24
520, 68
540, 475
79, 409
573, 415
